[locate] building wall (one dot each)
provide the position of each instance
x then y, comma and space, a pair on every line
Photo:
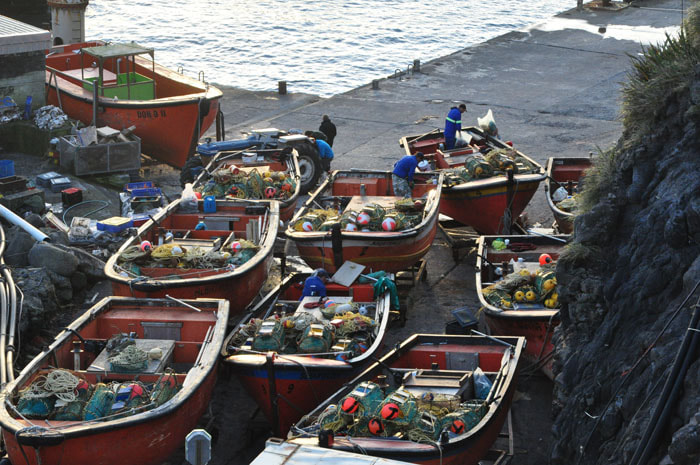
34, 12
23, 74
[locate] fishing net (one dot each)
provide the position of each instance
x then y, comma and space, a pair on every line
35, 407
478, 167
315, 339
74, 411
269, 336
438, 404
246, 331
100, 402
569, 204
254, 185
128, 360
133, 253
165, 252
502, 160
164, 390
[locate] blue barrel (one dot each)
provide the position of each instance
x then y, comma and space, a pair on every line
209, 204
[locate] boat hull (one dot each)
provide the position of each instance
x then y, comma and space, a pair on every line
567, 173
442, 351
389, 255
482, 206
238, 289
147, 443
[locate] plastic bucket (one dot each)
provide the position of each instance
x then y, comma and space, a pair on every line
209, 204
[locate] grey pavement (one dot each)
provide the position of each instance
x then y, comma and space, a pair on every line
554, 89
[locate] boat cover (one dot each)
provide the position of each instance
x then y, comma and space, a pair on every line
117, 50
278, 453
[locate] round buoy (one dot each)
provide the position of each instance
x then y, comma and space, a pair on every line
145, 246
458, 427
363, 218
389, 224
270, 192
328, 303
350, 405
155, 353
351, 227
234, 170
530, 296
176, 250
390, 411
307, 226
236, 246
198, 195
375, 426
545, 259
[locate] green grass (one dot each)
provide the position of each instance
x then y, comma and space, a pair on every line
657, 74
579, 254
599, 179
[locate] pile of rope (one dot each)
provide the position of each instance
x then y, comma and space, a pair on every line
496, 162
128, 360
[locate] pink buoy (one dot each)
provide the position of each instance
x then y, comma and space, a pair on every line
236, 246
389, 224
363, 218
307, 226
145, 246
270, 192
545, 259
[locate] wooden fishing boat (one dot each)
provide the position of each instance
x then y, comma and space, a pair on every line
223, 254
490, 204
286, 381
229, 175
116, 416
564, 173
329, 228
169, 110
400, 398
533, 316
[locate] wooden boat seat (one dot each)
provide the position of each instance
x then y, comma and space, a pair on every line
450, 382
357, 202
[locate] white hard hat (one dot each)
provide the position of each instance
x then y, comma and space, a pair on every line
424, 165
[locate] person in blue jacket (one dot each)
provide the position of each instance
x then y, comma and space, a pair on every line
324, 151
402, 176
453, 123
315, 285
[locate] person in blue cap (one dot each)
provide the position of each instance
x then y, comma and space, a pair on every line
315, 285
453, 123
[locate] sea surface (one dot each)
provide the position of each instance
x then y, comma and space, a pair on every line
317, 47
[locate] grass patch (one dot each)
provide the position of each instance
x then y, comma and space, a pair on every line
659, 72
579, 254
599, 179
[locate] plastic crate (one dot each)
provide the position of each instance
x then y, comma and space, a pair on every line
44, 179
463, 323
7, 168
115, 224
138, 185
146, 192
58, 184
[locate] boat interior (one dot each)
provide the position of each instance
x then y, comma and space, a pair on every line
181, 333
567, 173
125, 76
290, 304
527, 248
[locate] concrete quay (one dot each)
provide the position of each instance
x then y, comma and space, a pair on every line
554, 89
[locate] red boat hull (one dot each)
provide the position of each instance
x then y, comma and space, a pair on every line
147, 443
482, 208
238, 289
390, 256
537, 331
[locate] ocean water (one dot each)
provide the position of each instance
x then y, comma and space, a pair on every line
317, 47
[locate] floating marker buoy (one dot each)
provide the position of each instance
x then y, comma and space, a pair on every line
307, 226
270, 192
545, 259
390, 411
457, 427
363, 218
375, 426
145, 246
389, 224
236, 246
350, 405
351, 227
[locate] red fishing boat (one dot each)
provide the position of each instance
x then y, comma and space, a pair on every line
396, 408
564, 182
517, 289
344, 219
169, 110
290, 377
487, 193
77, 403
221, 251
258, 175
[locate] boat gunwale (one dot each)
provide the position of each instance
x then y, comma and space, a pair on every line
200, 372
156, 284
492, 311
381, 236
293, 360
453, 445
549, 174
292, 165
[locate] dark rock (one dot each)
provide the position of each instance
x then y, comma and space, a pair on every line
40, 302
57, 237
79, 281
19, 243
675, 230
53, 258
88, 264
35, 220
685, 445
63, 287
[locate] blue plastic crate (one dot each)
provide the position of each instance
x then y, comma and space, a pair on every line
7, 168
146, 192
138, 185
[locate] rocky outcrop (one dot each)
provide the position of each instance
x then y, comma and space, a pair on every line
629, 283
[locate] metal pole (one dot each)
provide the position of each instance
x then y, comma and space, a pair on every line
272, 386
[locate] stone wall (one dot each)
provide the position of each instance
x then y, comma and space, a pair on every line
23, 74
